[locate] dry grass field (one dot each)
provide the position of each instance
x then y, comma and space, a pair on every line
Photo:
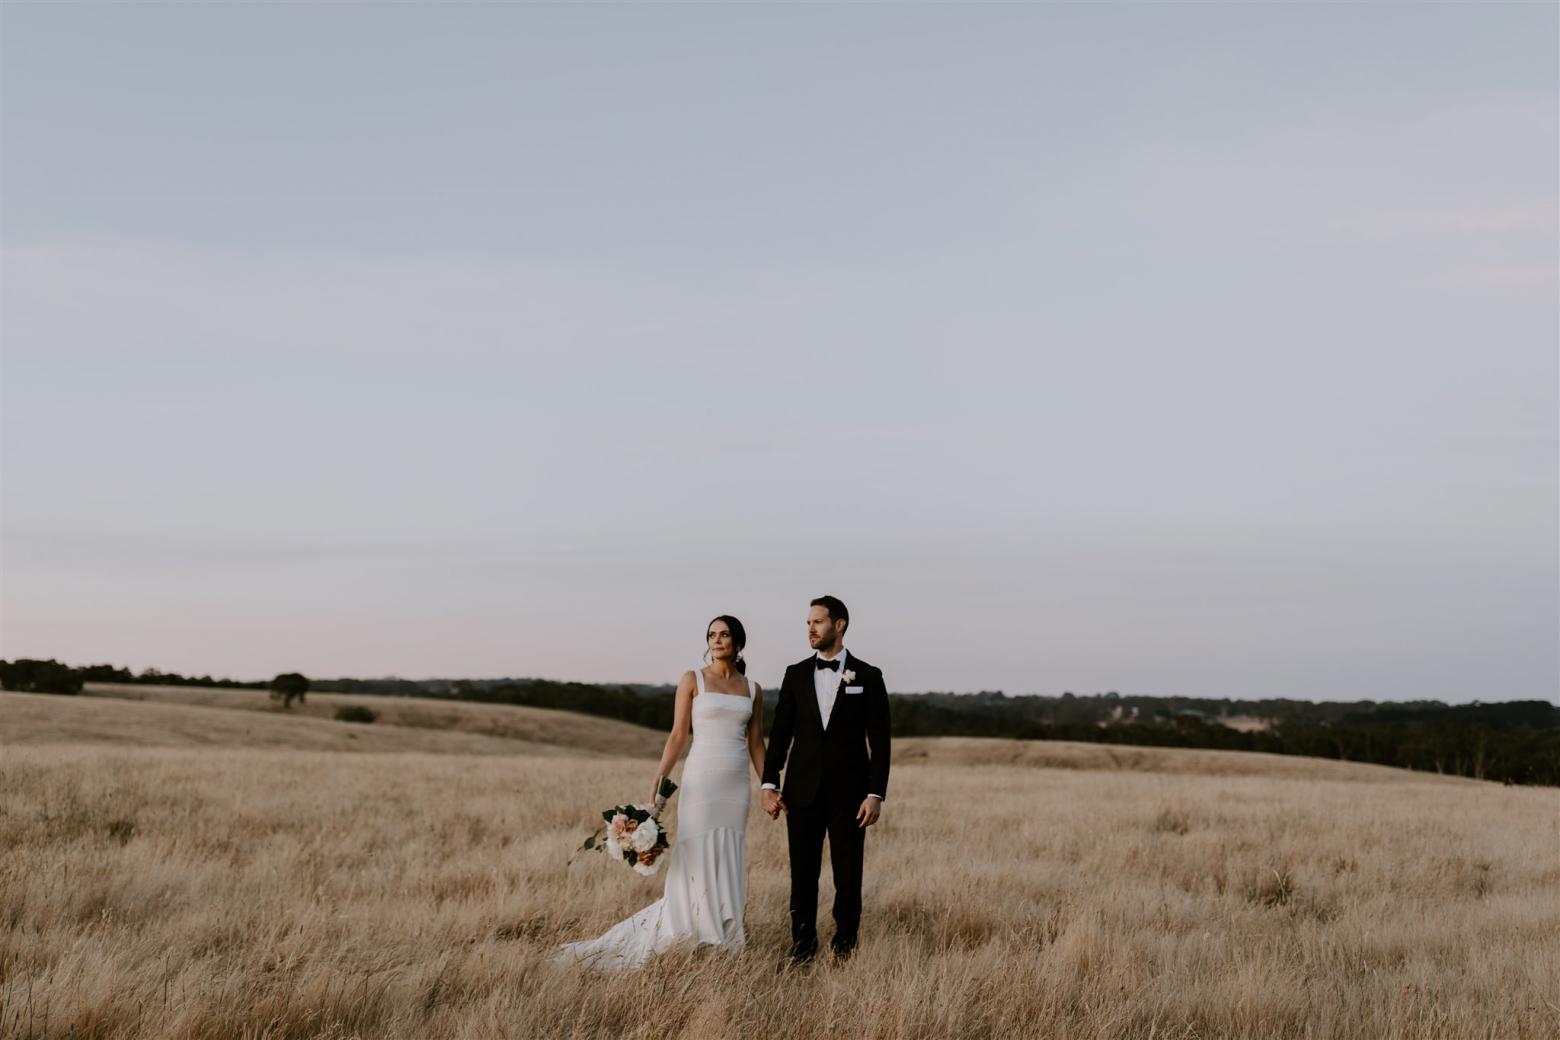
538, 731
186, 870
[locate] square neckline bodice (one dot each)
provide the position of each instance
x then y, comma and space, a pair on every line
698, 675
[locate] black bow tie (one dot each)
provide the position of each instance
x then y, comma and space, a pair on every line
832, 666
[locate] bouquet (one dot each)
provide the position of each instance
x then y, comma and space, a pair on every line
633, 833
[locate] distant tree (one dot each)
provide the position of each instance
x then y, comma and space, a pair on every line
287, 686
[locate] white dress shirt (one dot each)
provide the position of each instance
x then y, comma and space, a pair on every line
827, 685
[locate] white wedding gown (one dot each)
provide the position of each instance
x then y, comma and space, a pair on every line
706, 869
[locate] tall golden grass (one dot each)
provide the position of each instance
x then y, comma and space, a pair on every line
1013, 890
405, 723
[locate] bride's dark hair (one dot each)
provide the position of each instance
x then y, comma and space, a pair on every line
738, 639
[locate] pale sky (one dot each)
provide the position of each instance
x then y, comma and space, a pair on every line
1204, 350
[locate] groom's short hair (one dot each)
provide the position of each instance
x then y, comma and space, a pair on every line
835, 607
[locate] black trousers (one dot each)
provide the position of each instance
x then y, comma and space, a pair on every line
806, 828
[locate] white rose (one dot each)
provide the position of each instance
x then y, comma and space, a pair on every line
644, 837
848, 677
640, 868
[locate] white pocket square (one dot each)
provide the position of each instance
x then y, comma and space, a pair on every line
854, 689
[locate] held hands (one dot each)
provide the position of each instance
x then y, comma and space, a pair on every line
866, 816
773, 804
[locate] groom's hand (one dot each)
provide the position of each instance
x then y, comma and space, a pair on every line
773, 804
868, 814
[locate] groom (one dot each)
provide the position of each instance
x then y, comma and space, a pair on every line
831, 722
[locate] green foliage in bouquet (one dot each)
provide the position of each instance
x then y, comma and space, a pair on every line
633, 833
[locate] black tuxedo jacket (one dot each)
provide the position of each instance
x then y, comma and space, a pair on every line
849, 759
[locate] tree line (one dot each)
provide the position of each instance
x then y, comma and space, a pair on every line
51, 676
26, 675
1514, 742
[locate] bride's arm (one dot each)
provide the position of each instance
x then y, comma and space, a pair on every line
677, 740
755, 732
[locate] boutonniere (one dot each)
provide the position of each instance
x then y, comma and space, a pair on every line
846, 678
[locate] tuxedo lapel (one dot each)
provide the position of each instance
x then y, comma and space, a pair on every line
852, 664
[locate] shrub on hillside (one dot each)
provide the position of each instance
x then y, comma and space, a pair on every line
355, 713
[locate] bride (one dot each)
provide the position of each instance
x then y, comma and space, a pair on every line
722, 712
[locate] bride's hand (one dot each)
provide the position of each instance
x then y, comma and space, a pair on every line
773, 804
